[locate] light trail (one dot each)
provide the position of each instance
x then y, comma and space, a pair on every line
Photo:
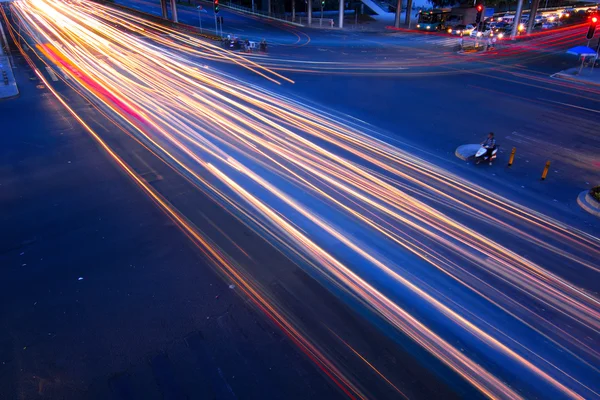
392, 230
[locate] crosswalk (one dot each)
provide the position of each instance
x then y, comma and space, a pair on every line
430, 39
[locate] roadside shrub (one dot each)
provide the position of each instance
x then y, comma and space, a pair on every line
595, 193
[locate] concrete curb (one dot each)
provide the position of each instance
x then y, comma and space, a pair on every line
11, 90
467, 151
569, 77
471, 53
588, 203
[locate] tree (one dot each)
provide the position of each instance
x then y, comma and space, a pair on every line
442, 3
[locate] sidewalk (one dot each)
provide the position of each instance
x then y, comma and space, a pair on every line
8, 85
588, 75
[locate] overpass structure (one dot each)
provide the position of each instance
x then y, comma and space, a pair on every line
163, 8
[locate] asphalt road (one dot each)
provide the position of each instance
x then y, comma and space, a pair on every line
152, 318
105, 297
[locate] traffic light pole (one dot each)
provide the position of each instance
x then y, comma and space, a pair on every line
515, 28
398, 12
321, 19
341, 21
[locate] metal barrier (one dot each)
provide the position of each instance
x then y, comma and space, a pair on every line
320, 22
275, 16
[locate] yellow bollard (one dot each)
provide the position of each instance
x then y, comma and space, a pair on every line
512, 156
546, 168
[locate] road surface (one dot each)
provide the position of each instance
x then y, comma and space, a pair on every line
393, 275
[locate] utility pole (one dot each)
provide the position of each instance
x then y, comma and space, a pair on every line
174, 10
293, 10
309, 12
341, 23
534, 8
517, 22
398, 12
269, 8
408, 12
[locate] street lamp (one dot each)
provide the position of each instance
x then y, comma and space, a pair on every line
200, 17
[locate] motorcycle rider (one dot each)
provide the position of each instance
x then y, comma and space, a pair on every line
490, 145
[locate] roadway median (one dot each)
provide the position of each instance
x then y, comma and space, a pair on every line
589, 200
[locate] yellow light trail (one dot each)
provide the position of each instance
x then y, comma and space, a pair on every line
312, 182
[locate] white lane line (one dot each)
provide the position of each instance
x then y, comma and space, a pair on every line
571, 105
52, 74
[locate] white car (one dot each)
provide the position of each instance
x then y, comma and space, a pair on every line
464, 29
468, 29
476, 33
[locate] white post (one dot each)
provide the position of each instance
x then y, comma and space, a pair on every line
341, 22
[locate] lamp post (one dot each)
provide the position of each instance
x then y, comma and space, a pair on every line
200, 17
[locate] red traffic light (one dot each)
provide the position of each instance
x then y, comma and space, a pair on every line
479, 7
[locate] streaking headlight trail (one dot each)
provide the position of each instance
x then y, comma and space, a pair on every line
480, 282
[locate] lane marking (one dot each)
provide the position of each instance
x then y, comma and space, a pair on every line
52, 74
570, 105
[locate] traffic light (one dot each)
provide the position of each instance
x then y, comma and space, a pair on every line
322, 3
592, 28
216, 6
479, 9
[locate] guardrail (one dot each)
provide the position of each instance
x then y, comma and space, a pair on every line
166, 22
320, 22
287, 18
298, 20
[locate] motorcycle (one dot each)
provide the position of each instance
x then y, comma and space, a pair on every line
482, 155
